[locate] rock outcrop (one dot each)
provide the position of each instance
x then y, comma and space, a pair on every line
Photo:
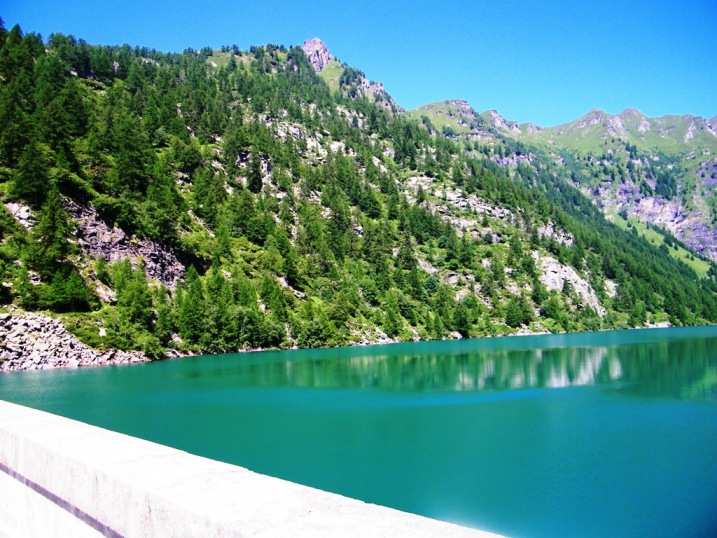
317, 54
38, 342
95, 237
22, 213
554, 274
499, 122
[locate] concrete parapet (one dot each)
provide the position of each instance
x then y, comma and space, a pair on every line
60, 477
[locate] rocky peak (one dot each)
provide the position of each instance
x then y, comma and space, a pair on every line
317, 54
594, 117
462, 105
615, 126
499, 122
631, 113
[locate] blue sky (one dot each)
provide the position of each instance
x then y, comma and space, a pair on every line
545, 62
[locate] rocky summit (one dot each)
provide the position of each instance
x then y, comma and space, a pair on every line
317, 54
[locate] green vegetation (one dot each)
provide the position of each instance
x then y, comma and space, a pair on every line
304, 215
332, 74
658, 237
445, 117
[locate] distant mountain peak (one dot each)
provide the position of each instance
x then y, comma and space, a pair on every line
317, 54
460, 103
631, 113
499, 122
594, 117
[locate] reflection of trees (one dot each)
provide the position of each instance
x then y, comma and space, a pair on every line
682, 368
492, 370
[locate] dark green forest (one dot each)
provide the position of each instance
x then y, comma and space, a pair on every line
301, 215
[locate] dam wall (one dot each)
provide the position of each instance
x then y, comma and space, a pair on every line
60, 477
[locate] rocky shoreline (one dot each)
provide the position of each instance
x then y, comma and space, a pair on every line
38, 342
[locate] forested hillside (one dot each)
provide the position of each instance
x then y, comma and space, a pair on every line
217, 200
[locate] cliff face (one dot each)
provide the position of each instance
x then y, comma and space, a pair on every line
99, 240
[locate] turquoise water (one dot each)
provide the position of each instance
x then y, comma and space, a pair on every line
597, 434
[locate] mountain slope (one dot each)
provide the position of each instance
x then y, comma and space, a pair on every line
217, 200
671, 135
659, 171
655, 170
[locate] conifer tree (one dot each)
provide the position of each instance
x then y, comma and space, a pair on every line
31, 176
254, 180
193, 308
52, 230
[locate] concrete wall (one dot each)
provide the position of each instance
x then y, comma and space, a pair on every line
60, 477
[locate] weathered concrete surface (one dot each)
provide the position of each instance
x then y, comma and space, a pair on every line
115, 485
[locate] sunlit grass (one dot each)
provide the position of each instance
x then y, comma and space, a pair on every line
656, 239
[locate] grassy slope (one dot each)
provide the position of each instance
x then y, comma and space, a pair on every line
656, 239
331, 74
665, 135
442, 115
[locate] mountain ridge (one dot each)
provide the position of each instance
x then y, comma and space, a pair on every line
219, 200
665, 166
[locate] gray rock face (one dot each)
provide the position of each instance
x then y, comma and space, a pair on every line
554, 274
317, 54
22, 214
38, 342
95, 237
690, 225
499, 122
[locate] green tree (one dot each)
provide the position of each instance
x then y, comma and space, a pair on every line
392, 321
31, 176
255, 178
67, 293
462, 320
52, 231
518, 312
193, 308
135, 300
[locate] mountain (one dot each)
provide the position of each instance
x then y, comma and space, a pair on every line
655, 171
339, 76
668, 134
452, 117
218, 200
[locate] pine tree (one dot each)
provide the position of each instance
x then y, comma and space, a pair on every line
193, 308
391, 323
52, 230
31, 177
461, 320
515, 313
254, 180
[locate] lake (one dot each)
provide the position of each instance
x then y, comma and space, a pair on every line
594, 434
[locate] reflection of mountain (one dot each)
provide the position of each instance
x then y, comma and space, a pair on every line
684, 368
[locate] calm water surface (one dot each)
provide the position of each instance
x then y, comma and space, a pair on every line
599, 434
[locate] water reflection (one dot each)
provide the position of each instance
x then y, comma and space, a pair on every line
683, 369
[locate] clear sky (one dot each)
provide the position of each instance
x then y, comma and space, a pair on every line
548, 62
